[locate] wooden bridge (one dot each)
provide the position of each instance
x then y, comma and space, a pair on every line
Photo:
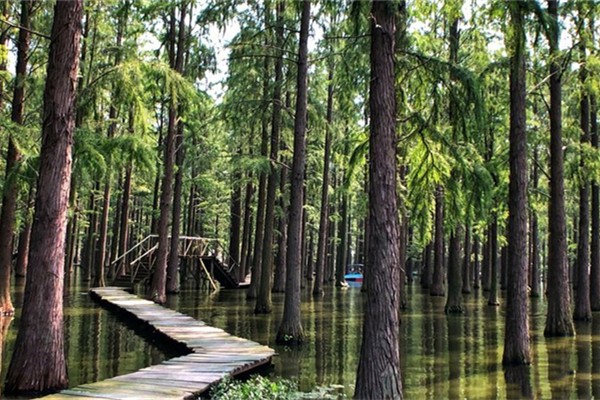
203, 258
212, 355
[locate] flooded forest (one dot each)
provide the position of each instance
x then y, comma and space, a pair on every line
385, 199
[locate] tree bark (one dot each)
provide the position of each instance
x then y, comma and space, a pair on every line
280, 270
583, 309
516, 338
257, 252
38, 361
173, 261
493, 263
159, 279
378, 375
454, 299
534, 240
324, 215
263, 302
437, 279
467, 264
559, 321
25, 237
595, 219
290, 331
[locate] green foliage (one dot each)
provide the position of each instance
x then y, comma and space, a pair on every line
261, 388
256, 388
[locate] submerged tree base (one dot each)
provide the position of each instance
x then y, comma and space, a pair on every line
290, 336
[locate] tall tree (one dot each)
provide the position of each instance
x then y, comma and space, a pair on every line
378, 375
290, 331
583, 309
437, 277
13, 157
559, 321
263, 302
159, 280
38, 361
516, 337
324, 214
595, 220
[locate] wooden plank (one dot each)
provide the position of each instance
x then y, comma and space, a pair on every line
214, 355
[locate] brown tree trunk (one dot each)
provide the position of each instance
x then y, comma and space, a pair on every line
454, 299
235, 221
281, 267
25, 237
516, 337
290, 331
437, 278
476, 264
534, 240
342, 253
246, 232
13, 157
263, 302
257, 252
427, 262
595, 219
378, 375
467, 264
159, 279
559, 321
173, 261
583, 309
124, 229
38, 361
324, 215
493, 260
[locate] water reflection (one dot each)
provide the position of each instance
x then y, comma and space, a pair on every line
442, 356
97, 344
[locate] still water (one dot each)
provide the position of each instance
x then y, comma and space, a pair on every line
442, 357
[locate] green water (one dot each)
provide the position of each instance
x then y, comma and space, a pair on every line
442, 357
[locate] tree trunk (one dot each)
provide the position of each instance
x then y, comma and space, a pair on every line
13, 157
280, 270
583, 309
378, 375
516, 337
437, 279
476, 264
595, 212
38, 361
173, 261
235, 221
159, 279
467, 264
342, 254
426, 272
324, 215
246, 232
263, 302
493, 263
290, 331
25, 237
559, 321
257, 253
534, 241
454, 299
124, 229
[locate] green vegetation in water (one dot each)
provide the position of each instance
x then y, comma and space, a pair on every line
261, 388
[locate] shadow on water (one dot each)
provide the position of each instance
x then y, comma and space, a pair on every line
456, 356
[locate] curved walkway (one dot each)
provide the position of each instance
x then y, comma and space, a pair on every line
213, 354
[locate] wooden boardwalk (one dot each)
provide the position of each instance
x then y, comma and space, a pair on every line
213, 354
